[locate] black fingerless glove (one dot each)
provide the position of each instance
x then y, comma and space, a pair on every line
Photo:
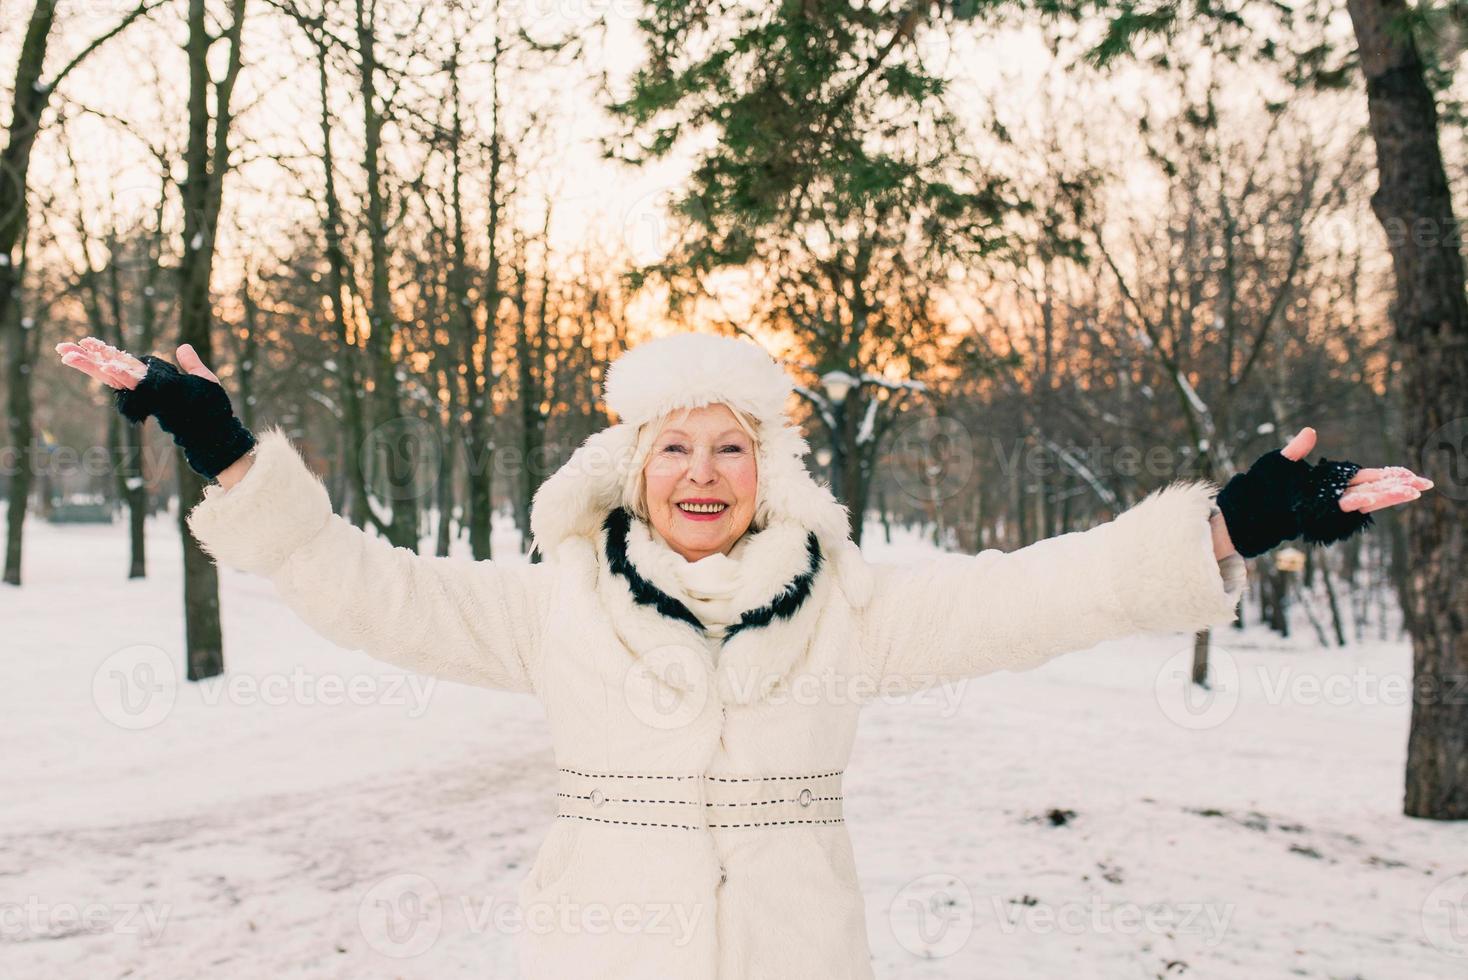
194, 410
1281, 498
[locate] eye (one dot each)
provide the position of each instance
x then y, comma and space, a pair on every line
735, 448
674, 447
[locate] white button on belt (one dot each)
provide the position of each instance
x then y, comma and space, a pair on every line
806, 796
597, 799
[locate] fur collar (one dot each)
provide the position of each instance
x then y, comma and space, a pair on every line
771, 639
781, 563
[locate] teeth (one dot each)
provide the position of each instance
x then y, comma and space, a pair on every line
703, 508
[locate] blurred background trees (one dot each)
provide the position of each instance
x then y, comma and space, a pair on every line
1027, 266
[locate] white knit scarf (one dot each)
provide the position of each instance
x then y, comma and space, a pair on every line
707, 586
720, 589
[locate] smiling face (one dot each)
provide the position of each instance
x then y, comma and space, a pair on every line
700, 481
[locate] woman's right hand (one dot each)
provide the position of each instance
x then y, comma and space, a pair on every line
120, 369
190, 404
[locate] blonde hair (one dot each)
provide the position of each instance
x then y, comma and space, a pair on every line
634, 493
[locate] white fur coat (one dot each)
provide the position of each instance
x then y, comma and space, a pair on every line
700, 781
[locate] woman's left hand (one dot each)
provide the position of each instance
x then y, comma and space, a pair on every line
1369, 489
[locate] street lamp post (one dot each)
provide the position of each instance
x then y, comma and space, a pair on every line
1289, 562
838, 385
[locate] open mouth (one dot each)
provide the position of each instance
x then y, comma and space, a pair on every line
702, 511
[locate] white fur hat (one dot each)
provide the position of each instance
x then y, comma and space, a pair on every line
692, 369
672, 373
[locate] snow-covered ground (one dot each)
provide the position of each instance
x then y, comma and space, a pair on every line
314, 811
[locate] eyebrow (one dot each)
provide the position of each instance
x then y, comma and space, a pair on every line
680, 432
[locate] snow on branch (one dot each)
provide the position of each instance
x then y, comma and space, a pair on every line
822, 404
1081, 470
868, 423
890, 385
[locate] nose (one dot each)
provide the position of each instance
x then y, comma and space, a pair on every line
701, 469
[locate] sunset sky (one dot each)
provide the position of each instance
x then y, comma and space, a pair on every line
140, 77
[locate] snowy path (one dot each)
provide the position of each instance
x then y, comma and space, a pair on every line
1072, 821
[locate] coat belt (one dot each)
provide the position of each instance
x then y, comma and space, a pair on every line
700, 802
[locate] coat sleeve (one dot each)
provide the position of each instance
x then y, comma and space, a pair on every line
1152, 569
476, 622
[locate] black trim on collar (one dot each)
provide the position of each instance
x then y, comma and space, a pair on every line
790, 598
644, 593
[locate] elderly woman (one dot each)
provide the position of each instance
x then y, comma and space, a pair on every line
703, 634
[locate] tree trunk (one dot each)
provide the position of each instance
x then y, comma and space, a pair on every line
206, 162
246, 352
446, 487
1337, 622
464, 325
853, 472
338, 293
530, 343
137, 440
132, 484
479, 380
1200, 657
395, 446
105, 320
25, 121
22, 432
1430, 316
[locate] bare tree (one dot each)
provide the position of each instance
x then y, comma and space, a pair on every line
31, 95
206, 160
1431, 319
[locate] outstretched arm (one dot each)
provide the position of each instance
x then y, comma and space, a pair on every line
1168, 564
951, 617
477, 622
